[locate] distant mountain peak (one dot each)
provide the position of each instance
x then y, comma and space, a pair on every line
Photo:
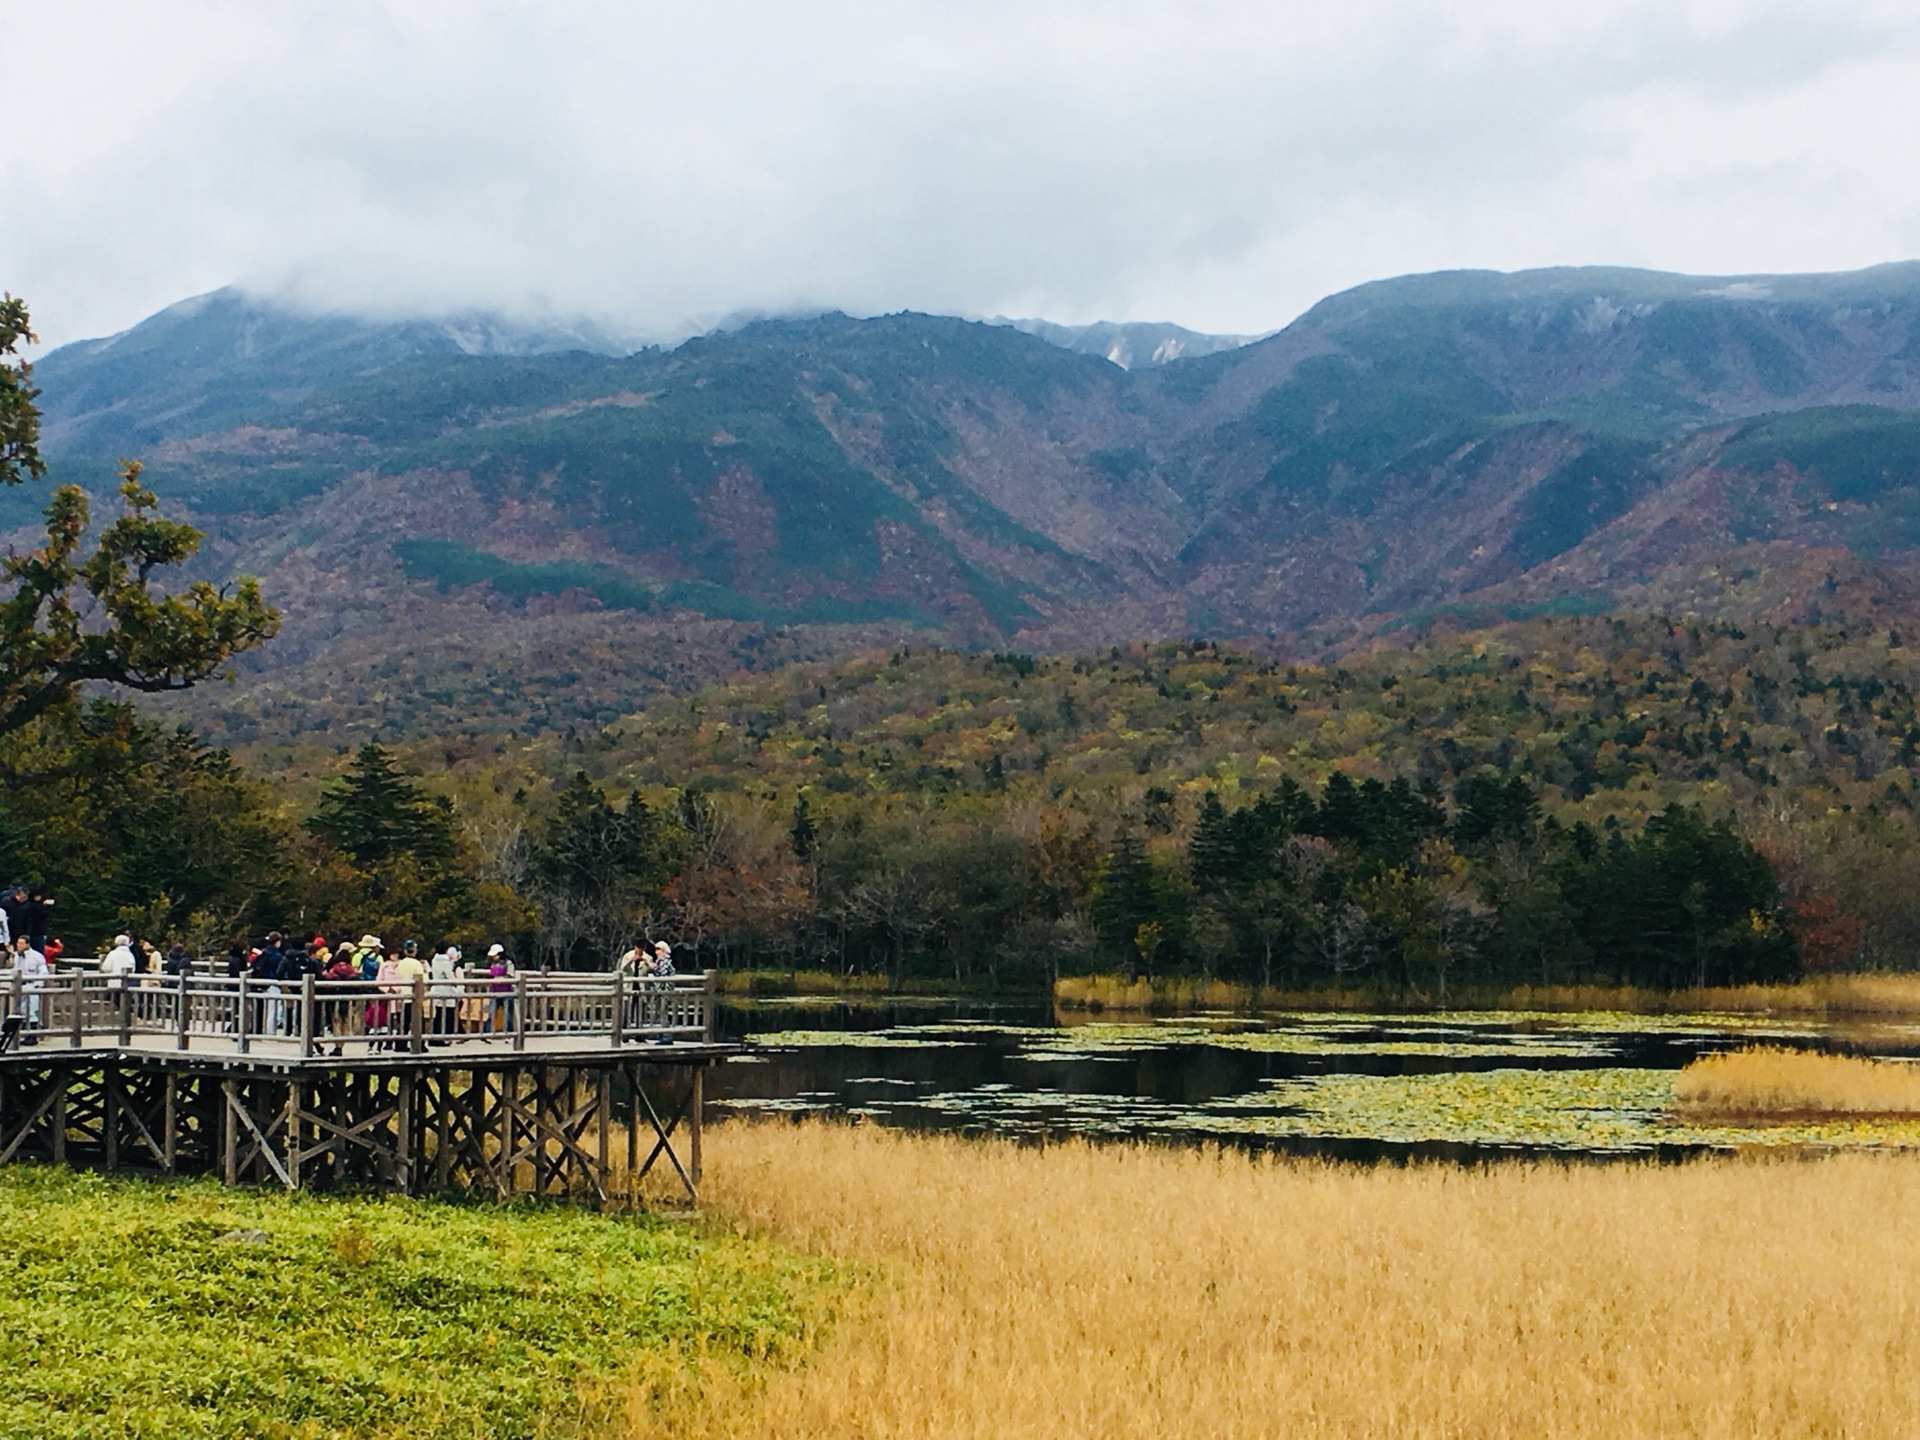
1129, 344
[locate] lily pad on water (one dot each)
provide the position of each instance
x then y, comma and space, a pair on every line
1595, 1110
850, 1039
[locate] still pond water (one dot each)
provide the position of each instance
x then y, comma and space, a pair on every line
1457, 1085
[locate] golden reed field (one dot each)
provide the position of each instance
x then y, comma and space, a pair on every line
1827, 995
1766, 1083
1113, 1291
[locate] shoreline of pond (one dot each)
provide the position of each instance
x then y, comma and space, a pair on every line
1881, 994
1867, 994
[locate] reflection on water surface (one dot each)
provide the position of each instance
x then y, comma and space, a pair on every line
1464, 1084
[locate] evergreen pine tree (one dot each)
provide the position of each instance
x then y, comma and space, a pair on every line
804, 836
377, 813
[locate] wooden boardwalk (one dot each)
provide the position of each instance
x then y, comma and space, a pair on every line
549, 1085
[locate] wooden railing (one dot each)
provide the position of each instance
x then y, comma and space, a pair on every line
306, 1019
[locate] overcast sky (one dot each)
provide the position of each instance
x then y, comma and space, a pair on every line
1221, 164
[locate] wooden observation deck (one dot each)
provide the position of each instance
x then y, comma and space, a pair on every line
533, 1085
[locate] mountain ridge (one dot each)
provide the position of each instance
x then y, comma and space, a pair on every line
1463, 442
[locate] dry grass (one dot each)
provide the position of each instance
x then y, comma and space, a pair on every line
1114, 992
1111, 1292
1829, 995
1772, 1084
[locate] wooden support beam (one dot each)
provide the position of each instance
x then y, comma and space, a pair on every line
603, 1129
404, 1139
110, 1117
696, 1105
229, 1136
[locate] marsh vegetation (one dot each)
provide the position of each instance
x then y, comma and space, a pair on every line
1769, 1084
1119, 1291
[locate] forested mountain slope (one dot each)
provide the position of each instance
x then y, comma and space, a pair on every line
521, 529
1567, 799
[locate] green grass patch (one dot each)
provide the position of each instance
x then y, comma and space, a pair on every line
126, 1313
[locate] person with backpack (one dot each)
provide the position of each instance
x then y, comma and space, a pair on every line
337, 1014
296, 964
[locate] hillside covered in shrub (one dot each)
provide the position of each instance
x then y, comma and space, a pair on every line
1559, 801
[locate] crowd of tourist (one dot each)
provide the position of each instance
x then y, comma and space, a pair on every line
373, 992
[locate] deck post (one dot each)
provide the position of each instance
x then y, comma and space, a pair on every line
712, 989
296, 1128
110, 1115
403, 1133
509, 1097
125, 997
306, 1017
229, 1134
168, 1144
241, 1027
419, 1017
619, 1008
603, 1130
186, 1001
79, 1005
520, 1012
632, 1072
695, 1104
443, 1131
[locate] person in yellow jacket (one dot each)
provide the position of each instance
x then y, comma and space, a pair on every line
409, 973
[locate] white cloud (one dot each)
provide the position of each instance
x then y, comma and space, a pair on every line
656, 165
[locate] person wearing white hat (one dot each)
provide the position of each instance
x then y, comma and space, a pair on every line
119, 962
